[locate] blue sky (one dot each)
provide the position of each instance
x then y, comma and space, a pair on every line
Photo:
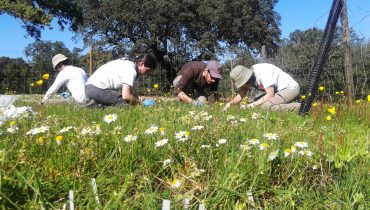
295, 14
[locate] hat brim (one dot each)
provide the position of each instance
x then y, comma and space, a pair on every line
215, 75
247, 74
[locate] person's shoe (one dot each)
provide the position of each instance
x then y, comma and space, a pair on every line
90, 104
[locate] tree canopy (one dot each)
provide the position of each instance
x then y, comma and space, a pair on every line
190, 29
37, 14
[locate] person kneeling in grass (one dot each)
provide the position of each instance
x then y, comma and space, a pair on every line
280, 88
103, 84
198, 76
72, 76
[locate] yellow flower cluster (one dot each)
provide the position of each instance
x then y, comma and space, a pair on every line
41, 81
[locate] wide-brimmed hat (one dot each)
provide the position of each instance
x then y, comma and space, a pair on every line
215, 69
240, 75
57, 59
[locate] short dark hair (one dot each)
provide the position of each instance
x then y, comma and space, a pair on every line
148, 59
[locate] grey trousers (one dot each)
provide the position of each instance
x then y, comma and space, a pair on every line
106, 97
201, 94
281, 101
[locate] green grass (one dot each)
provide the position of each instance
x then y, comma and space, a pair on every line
39, 173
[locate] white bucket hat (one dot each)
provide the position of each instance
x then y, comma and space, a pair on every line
57, 59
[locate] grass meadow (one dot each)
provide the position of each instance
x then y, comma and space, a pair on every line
138, 156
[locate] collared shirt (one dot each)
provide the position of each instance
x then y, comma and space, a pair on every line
192, 73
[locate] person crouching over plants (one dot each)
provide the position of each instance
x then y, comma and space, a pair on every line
198, 76
279, 87
74, 78
103, 84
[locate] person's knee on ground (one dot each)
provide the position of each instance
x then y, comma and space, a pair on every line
203, 100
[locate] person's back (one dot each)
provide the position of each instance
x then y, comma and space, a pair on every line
113, 74
73, 77
268, 74
76, 83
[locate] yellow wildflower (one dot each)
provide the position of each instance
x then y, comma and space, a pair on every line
332, 110
45, 76
303, 97
314, 104
40, 82
342, 92
59, 138
321, 88
41, 139
32, 84
328, 118
12, 123
156, 86
336, 92
358, 101
368, 98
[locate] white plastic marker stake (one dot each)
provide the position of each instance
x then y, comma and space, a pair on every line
250, 198
166, 205
186, 203
71, 200
95, 190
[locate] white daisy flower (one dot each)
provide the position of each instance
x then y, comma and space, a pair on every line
272, 156
306, 152
205, 146
230, 117
293, 149
243, 120
161, 142
182, 135
176, 183
167, 162
110, 118
287, 152
12, 129
86, 131
35, 131
151, 130
271, 136
301, 144
197, 127
208, 118
255, 115
130, 138
222, 141
264, 146
65, 129
254, 141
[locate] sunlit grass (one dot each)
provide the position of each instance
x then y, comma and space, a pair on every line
205, 155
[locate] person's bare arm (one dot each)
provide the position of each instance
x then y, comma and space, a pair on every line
270, 92
238, 98
128, 96
183, 97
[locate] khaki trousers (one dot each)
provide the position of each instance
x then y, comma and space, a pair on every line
281, 101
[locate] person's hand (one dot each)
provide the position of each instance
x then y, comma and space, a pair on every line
250, 105
196, 103
65, 95
149, 102
227, 106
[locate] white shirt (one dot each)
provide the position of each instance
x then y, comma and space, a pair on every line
75, 79
269, 75
113, 75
